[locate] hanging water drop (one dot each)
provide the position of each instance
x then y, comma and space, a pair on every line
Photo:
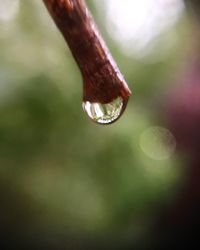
105, 113
105, 91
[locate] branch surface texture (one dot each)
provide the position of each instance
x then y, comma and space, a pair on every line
102, 80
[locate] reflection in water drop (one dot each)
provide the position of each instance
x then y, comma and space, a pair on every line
105, 113
8, 9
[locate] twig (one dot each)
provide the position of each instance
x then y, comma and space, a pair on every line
102, 79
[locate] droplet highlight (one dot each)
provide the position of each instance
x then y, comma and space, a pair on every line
105, 113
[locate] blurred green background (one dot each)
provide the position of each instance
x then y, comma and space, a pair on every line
66, 182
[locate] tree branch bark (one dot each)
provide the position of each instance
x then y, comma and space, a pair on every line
102, 79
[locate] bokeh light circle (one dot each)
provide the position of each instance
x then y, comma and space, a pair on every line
158, 143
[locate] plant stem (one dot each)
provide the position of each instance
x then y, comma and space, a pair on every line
102, 79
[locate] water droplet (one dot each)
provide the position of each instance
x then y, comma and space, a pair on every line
105, 113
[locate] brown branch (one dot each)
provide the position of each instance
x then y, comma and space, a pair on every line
102, 79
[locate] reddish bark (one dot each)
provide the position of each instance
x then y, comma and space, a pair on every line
102, 79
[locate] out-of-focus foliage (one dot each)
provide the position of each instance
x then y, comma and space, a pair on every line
60, 174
